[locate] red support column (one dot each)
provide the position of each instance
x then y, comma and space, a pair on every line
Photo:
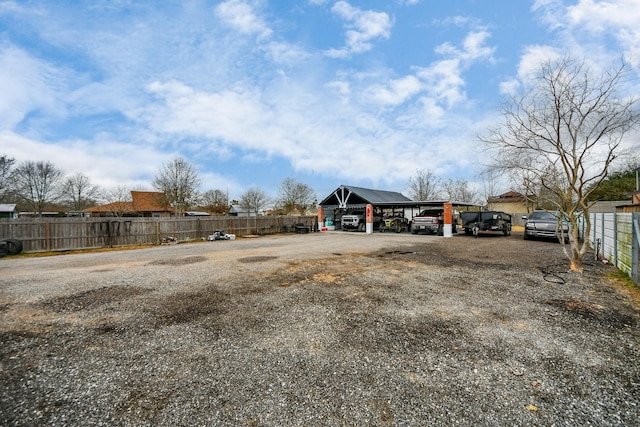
448, 220
369, 219
321, 218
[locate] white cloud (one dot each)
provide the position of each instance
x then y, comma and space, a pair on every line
108, 163
364, 27
27, 85
533, 58
396, 92
584, 28
241, 16
620, 18
444, 79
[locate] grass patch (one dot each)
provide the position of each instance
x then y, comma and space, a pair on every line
622, 278
77, 251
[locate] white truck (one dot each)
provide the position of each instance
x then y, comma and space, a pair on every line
353, 222
357, 221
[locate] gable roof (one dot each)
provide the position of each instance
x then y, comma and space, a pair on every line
7, 207
112, 207
142, 201
149, 201
508, 197
347, 195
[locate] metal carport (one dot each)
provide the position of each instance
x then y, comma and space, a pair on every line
347, 198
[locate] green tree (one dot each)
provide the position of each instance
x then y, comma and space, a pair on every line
619, 184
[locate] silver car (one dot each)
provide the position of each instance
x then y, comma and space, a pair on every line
545, 224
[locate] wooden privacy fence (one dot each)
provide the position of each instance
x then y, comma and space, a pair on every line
63, 234
616, 237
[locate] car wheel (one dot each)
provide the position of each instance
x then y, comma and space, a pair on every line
526, 236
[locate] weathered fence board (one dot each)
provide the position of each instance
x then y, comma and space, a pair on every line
614, 235
61, 234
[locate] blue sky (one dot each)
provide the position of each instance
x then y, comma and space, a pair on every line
363, 93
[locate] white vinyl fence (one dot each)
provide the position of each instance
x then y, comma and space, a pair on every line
615, 237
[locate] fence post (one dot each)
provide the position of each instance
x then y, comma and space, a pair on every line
602, 242
615, 239
635, 244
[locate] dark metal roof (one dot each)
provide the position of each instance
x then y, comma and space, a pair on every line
358, 196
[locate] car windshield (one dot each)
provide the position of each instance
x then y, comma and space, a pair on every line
543, 215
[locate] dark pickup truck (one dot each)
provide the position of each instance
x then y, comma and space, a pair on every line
489, 222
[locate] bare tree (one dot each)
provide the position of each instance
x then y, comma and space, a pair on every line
37, 184
424, 185
118, 200
79, 191
6, 185
295, 195
560, 136
179, 181
489, 187
254, 200
215, 201
459, 190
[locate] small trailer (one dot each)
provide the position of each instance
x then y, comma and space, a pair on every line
488, 222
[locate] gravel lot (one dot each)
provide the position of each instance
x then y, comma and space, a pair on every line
320, 329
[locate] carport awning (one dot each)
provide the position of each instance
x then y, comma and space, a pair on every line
358, 197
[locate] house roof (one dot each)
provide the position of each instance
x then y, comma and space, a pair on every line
149, 201
142, 201
508, 197
112, 207
7, 207
359, 197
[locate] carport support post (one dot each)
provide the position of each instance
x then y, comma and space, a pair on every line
320, 217
448, 220
369, 219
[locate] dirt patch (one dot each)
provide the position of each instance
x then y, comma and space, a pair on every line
251, 259
179, 261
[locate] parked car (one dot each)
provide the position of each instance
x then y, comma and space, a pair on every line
546, 224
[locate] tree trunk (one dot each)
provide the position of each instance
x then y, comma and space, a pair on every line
576, 253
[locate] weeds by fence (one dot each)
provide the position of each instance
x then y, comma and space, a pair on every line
616, 237
62, 234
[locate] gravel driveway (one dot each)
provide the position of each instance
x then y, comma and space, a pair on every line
319, 329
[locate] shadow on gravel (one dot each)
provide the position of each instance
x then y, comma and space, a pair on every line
92, 299
588, 310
